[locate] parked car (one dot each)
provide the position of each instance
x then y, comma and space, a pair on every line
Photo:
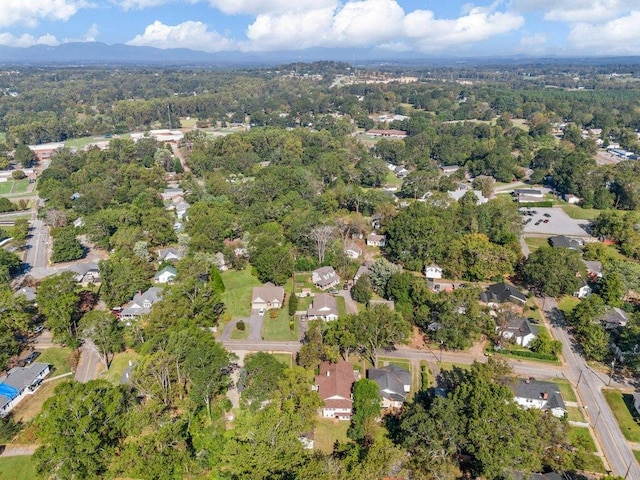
31, 357
548, 215
334, 291
261, 312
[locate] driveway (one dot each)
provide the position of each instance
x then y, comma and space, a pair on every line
350, 303
89, 363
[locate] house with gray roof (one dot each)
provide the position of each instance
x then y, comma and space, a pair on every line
530, 393
267, 296
141, 303
394, 384
29, 294
324, 307
560, 241
166, 274
614, 318
325, 278
520, 330
169, 254
20, 382
86, 273
501, 293
594, 269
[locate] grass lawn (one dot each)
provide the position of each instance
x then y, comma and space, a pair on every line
342, 307
593, 461
17, 468
118, 365
14, 186
240, 334
426, 375
580, 213
567, 303
636, 453
535, 242
278, 328
622, 406
285, 358
392, 179
303, 280
326, 433
531, 310
56, 356
238, 290
575, 414
506, 354
188, 122
399, 362
566, 390
30, 406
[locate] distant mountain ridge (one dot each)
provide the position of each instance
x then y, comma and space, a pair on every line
96, 53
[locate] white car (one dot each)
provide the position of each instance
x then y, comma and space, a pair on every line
261, 312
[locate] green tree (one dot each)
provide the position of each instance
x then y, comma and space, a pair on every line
366, 408
274, 264
258, 379
19, 232
361, 291
293, 304
105, 331
554, 271
14, 319
80, 428
10, 265
66, 246
612, 289
58, 301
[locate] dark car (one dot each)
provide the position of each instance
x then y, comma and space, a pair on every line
31, 357
548, 215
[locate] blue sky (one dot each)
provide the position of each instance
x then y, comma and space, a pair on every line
440, 27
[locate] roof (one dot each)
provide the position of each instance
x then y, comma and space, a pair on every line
168, 269
334, 383
561, 241
165, 252
323, 304
374, 237
29, 293
84, 268
520, 327
268, 293
353, 247
614, 317
391, 381
593, 266
537, 390
19, 378
501, 292
136, 305
527, 191
324, 276
362, 270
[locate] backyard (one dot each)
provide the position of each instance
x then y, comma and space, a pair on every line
238, 289
327, 432
17, 468
118, 365
58, 357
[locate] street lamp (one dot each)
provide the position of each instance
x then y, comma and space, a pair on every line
613, 365
441, 347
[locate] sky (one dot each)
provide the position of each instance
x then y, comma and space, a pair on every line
432, 27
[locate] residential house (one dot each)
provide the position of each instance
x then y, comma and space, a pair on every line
375, 240
86, 273
362, 270
501, 293
401, 172
561, 241
20, 382
449, 170
394, 384
78, 222
614, 318
29, 294
461, 192
529, 192
141, 303
334, 384
584, 291
325, 278
572, 199
181, 209
169, 254
171, 194
324, 307
594, 269
530, 393
44, 151
391, 133
267, 296
166, 275
520, 330
353, 250
391, 305
433, 271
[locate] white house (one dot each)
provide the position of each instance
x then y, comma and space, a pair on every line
166, 275
323, 307
20, 382
584, 291
433, 271
375, 240
531, 393
520, 330
325, 278
352, 250
141, 303
571, 198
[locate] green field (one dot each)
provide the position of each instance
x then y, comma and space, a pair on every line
580, 213
567, 304
285, 358
278, 328
238, 290
566, 390
636, 453
17, 468
56, 356
327, 432
118, 366
575, 414
622, 407
14, 186
536, 242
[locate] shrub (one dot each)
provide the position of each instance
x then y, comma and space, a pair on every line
18, 175
240, 326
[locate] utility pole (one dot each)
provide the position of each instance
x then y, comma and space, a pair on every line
169, 112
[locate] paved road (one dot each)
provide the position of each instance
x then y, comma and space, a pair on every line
89, 363
350, 304
589, 384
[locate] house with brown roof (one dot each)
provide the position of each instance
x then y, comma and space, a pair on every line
267, 296
324, 307
334, 384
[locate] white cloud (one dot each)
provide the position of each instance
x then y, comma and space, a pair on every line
618, 36
27, 40
367, 23
31, 12
139, 4
260, 7
576, 11
190, 34
89, 36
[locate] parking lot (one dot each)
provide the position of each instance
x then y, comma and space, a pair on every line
553, 221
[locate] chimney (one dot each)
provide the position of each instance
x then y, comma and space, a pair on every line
328, 373
545, 396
